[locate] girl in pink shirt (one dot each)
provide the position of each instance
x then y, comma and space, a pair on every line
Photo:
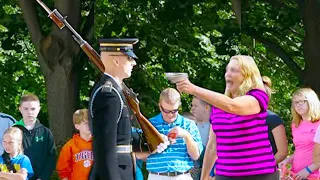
305, 110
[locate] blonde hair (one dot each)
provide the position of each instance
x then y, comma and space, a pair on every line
81, 115
17, 135
170, 96
29, 97
251, 73
313, 103
268, 85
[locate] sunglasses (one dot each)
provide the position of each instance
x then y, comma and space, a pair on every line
169, 111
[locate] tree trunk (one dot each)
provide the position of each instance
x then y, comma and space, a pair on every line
59, 62
62, 82
62, 97
310, 12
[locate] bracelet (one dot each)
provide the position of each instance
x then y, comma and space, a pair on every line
309, 170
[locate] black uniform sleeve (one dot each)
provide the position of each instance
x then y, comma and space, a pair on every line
51, 158
106, 114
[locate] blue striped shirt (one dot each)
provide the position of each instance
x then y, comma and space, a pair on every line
175, 158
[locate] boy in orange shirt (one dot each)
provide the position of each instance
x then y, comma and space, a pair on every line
76, 158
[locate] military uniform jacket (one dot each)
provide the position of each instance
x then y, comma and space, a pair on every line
110, 127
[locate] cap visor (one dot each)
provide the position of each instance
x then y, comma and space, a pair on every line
131, 54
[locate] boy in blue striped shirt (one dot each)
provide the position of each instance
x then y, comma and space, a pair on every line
176, 161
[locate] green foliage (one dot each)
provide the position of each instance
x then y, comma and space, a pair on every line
19, 68
279, 24
196, 37
174, 36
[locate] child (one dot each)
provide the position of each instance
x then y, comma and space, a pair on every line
38, 142
305, 111
6, 121
13, 164
76, 158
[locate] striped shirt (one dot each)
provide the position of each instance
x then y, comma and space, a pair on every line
243, 147
175, 158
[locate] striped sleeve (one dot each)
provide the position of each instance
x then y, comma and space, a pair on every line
261, 97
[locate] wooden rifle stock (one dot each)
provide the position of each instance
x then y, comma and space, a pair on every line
152, 136
93, 55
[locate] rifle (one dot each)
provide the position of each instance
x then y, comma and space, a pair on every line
152, 136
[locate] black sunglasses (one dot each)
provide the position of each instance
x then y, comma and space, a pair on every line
168, 111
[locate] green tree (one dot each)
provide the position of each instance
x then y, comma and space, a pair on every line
288, 29
197, 37
175, 36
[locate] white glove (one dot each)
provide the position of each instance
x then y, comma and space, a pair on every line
163, 146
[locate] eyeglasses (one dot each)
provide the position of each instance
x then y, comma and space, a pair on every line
299, 102
129, 58
169, 111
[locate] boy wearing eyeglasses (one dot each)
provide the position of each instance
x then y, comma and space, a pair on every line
176, 161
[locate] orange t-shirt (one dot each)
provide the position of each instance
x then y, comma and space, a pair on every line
75, 159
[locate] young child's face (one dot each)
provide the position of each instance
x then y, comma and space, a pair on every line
9, 144
83, 128
29, 110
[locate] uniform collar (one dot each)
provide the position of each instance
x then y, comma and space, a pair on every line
115, 80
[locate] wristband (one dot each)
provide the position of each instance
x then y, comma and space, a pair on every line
309, 170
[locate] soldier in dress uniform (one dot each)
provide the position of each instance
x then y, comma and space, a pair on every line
109, 113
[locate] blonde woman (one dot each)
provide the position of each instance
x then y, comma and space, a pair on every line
305, 110
14, 164
238, 118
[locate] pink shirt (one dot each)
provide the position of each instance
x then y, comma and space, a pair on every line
303, 141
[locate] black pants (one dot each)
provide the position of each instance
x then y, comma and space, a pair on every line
126, 173
273, 176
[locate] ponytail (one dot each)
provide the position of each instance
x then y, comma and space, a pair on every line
7, 161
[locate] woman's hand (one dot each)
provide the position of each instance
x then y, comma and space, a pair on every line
283, 163
187, 87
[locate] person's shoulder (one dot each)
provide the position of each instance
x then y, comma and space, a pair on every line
273, 120
68, 145
273, 116
4, 116
105, 88
70, 142
188, 122
257, 91
261, 96
40, 128
22, 158
156, 118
